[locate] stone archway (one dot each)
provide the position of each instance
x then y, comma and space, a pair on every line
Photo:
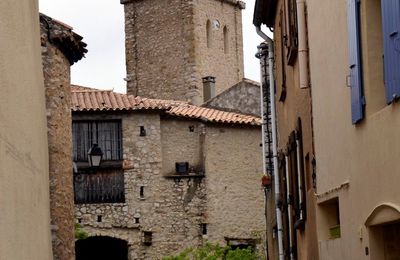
101, 248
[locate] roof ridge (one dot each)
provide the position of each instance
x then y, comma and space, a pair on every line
88, 99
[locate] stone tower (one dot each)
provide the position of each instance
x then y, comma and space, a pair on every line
172, 44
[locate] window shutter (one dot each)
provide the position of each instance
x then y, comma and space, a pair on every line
357, 96
391, 47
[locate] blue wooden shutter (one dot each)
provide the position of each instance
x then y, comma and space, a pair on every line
357, 96
391, 47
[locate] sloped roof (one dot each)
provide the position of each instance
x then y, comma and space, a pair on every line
88, 99
62, 35
212, 115
264, 12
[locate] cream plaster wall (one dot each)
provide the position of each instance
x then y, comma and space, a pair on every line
366, 154
24, 179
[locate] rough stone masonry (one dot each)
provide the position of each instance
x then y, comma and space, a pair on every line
172, 44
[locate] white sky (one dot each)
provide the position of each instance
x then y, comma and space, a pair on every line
101, 23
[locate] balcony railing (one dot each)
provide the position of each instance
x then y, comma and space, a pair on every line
99, 187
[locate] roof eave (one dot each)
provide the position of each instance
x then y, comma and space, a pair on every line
264, 12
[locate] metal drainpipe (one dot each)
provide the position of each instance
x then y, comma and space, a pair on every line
274, 140
303, 48
264, 106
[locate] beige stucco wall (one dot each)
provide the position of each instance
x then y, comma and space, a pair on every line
364, 155
24, 183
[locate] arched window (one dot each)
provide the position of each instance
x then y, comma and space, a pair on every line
226, 40
209, 36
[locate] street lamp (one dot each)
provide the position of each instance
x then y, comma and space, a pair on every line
94, 156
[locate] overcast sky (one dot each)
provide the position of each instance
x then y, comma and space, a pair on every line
101, 23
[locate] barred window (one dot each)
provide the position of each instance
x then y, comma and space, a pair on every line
107, 134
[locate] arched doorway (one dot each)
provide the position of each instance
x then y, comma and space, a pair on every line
384, 232
101, 248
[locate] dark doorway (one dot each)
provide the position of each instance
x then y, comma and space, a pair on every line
101, 248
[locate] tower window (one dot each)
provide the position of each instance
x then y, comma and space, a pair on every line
209, 34
226, 40
141, 192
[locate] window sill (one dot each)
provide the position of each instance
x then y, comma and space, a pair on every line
103, 165
183, 176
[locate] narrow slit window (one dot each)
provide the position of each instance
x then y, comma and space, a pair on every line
204, 229
226, 40
141, 192
209, 35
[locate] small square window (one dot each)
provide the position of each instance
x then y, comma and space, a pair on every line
147, 238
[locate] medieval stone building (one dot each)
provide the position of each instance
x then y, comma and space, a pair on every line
61, 48
173, 176
172, 44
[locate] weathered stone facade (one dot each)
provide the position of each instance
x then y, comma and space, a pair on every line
243, 97
226, 199
167, 50
56, 70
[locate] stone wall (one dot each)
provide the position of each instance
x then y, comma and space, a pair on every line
56, 71
171, 209
166, 49
235, 197
244, 98
56, 61
213, 60
159, 48
174, 208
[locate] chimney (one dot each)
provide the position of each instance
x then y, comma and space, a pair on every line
208, 88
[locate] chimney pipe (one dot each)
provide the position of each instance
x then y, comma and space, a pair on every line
208, 88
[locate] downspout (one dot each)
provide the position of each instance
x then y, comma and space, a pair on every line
274, 140
264, 126
303, 48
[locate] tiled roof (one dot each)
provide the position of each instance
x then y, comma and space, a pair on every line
88, 99
64, 37
212, 115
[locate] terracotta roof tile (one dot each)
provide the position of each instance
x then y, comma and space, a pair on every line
88, 99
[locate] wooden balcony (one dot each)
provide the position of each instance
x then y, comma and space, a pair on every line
106, 186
